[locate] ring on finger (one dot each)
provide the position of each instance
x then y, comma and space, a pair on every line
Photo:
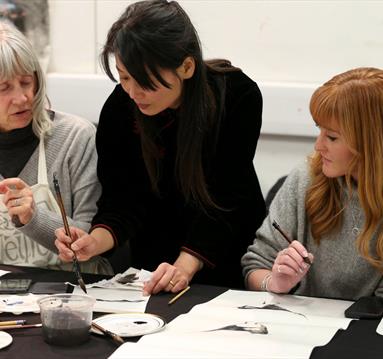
172, 283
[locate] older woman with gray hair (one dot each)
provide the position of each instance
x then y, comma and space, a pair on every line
35, 143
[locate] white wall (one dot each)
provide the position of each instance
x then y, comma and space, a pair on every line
288, 47
303, 41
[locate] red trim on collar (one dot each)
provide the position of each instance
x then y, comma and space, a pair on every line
199, 256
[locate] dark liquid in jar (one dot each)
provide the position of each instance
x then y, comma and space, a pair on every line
77, 334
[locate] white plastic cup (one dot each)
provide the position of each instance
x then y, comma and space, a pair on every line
66, 318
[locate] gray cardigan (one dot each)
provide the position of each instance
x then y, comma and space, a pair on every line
70, 152
338, 270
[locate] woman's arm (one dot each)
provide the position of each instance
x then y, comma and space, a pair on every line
221, 236
174, 277
71, 154
271, 263
123, 203
258, 280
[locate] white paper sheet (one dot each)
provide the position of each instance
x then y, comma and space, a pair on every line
141, 276
111, 300
3, 272
379, 328
113, 297
310, 323
134, 350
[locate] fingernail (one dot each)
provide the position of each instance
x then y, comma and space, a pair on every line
74, 247
145, 293
305, 254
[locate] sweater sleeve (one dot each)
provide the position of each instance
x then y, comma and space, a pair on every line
288, 210
70, 152
125, 187
379, 289
223, 235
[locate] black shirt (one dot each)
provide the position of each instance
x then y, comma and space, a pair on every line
158, 227
16, 147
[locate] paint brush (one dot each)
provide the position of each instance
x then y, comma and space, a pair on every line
285, 236
76, 265
116, 338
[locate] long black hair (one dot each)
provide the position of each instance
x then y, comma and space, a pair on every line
158, 34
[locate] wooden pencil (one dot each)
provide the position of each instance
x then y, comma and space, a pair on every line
179, 295
12, 322
20, 326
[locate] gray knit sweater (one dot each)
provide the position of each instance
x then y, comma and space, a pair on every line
338, 270
71, 154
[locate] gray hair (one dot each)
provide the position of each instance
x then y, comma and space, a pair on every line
17, 57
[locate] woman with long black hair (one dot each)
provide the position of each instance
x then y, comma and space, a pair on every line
184, 131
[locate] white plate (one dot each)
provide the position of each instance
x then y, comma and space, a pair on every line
5, 339
130, 324
18, 304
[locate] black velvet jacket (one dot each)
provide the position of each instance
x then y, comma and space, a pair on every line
159, 227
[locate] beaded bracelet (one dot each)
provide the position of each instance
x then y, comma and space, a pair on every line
265, 282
